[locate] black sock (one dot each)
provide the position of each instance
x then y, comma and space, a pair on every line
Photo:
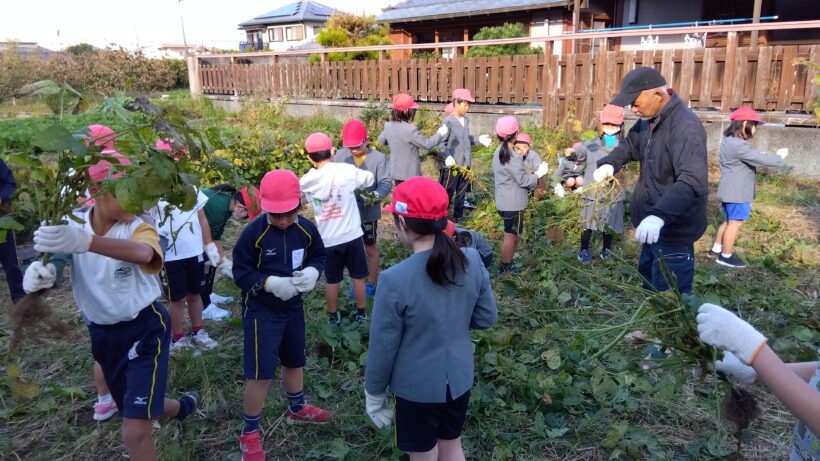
607, 241
186, 406
362, 311
586, 236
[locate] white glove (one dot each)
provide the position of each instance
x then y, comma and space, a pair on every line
443, 130
38, 277
542, 170
783, 153
376, 194
485, 140
225, 268
213, 254
736, 370
449, 161
725, 330
376, 408
603, 171
559, 190
61, 239
649, 230
579, 190
281, 287
305, 279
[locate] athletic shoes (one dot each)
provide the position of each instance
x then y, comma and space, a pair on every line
217, 299
201, 340
468, 205
191, 400
605, 255
731, 261
251, 447
310, 414
712, 254
334, 318
103, 411
180, 345
214, 312
362, 318
584, 257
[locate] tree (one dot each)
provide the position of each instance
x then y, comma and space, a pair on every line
504, 31
350, 30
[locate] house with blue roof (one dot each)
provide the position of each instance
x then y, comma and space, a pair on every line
285, 27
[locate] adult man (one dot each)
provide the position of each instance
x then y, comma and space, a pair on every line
8, 250
669, 202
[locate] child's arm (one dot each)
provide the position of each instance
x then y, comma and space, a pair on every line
386, 328
206, 228
142, 248
245, 256
364, 178
417, 139
383, 173
525, 180
485, 313
753, 157
124, 250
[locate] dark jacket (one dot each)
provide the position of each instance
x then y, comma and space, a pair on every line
673, 184
7, 183
264, 250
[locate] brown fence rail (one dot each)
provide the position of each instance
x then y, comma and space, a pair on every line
764, 78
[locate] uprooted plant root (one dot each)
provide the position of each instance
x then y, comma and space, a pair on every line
31, 316
740, 408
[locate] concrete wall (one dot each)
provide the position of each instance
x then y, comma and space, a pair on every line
803, 142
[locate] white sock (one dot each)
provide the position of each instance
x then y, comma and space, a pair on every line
725, 255
717, 248
104, 399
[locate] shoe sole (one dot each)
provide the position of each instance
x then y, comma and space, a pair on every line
304, 421
729, 265
105, 416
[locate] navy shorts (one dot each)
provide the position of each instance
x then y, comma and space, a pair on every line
370, 232
419, 426
267, 340
736, 211
134, 360
513, 221
350, 255
184, 276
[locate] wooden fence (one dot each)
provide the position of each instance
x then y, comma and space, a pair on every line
764, 78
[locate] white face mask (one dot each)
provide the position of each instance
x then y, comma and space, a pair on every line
611, 131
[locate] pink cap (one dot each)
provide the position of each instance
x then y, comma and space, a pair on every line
354, 133
524, 137
101, 135
403, 101
745, 113
463, 93
449, 109
450, 230
506, 126
279, 191
612, 115
318, 142
103, 169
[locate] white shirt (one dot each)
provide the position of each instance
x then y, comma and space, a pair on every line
108, 290
330, 190
182, 223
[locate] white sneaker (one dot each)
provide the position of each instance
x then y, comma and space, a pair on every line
203, 341
182, 344
214, 312
218, 299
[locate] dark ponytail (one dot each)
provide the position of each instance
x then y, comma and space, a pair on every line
226, 188
506, 153
447, 262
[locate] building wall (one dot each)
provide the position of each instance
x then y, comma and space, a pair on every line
658, 12
549, 24
309, 34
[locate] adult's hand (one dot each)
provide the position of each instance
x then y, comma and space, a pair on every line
649, 230
603, 171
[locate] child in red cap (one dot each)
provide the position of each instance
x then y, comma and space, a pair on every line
420, 342
330, 189
356, 152
115, 256
736, 190
277, 258
404, 139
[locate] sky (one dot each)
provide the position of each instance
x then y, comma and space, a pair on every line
55, 24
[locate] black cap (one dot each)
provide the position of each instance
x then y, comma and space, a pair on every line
637, 80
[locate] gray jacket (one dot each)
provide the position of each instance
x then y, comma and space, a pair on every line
738, 165
477, 242
458, 142
569, 169
512, 182
595, 150
404, 140
420, 331
376, 163
532, 161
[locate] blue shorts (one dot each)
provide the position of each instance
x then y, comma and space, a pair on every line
267, 340
350, 255
736, 211
134, 360
184, 276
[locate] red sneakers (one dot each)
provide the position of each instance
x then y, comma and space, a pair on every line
251, 447
310, 414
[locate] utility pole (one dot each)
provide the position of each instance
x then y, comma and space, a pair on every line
755, 20
182, 23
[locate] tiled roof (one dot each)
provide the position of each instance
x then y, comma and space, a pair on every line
301, 11
420, 10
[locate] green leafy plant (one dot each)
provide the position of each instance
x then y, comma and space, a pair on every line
350, 30
506, 30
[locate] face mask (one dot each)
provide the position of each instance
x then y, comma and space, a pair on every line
610, 140
611, 131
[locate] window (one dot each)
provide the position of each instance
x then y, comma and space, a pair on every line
275, 34
294, 33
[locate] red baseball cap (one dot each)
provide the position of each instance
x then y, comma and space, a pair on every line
463, 93
102, 170
745, 113
450, 230
612, 115
419, 197
524, 138
354, 133
251, 201
403, 101
101, 135
506, 126
318, 142
279, 191
449, 109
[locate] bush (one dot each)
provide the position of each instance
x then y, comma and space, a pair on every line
505, 31
347, 30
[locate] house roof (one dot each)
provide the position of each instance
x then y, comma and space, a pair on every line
421, 10
300, 11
